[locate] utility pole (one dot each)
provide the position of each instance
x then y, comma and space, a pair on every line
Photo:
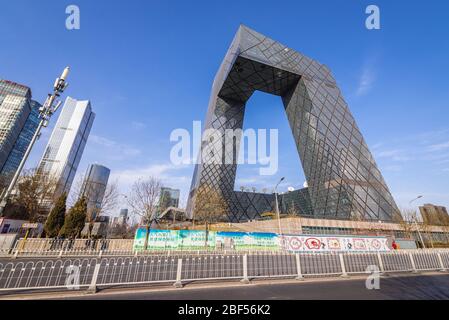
415, 219
277, 205
50, 106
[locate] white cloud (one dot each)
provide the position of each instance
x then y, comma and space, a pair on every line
439, 147
138, 125
393, 168
366, 80
246, 181
115, 150
161, 171
394, 155
170, 175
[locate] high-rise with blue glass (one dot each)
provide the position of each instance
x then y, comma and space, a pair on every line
19, 119
94, 188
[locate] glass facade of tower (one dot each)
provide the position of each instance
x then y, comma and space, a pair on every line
66, 145
169, 198
94, 187
19, 119
15, 107
23, 141
343, 179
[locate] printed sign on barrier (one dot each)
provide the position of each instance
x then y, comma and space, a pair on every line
197, 240
333, 243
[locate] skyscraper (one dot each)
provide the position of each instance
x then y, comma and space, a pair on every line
66, 145
94, 187
19, 118
343, 178
169, 198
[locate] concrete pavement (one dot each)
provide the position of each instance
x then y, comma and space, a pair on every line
397, 287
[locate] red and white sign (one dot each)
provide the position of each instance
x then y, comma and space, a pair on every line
334, 243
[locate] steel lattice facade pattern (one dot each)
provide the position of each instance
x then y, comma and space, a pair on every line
343, 178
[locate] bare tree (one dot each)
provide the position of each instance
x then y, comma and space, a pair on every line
108, 198
122, 231
406, 221
75, 190
143, 200
4, 181
210, 207
427, 230
292, 210
35, 192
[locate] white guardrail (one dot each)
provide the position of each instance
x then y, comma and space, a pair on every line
67, 247
101, 272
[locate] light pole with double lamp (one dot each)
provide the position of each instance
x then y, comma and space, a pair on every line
277, 204
415, 219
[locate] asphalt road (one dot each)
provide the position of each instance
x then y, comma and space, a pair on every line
391, 288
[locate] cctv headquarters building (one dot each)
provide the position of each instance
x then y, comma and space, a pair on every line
344, 181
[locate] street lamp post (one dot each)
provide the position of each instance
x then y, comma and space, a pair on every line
277, 205
415, 219
50, 106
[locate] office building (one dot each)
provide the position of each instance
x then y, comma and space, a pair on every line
93, 189
434, 215
121, 220
66, 145
19, 118
344, 181
123, 216
169, 198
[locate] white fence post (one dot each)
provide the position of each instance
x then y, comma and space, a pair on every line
245, 270
381, 263
443, 269
93, 285
178, 283
413, 263
298, 268
344, 274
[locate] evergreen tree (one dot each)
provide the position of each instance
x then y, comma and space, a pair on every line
56, 218
75, 219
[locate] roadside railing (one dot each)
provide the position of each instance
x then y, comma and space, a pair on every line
93, 272
101, 247
69, 247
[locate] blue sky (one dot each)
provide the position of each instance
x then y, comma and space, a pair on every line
147, 67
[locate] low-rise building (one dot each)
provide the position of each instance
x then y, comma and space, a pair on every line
434, 215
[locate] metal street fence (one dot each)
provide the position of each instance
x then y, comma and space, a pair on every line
7, 242
92, 273
69, 247
102, 247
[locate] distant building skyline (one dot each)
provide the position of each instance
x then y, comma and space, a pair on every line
169, 198
94, 187
19, 119
66, 144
